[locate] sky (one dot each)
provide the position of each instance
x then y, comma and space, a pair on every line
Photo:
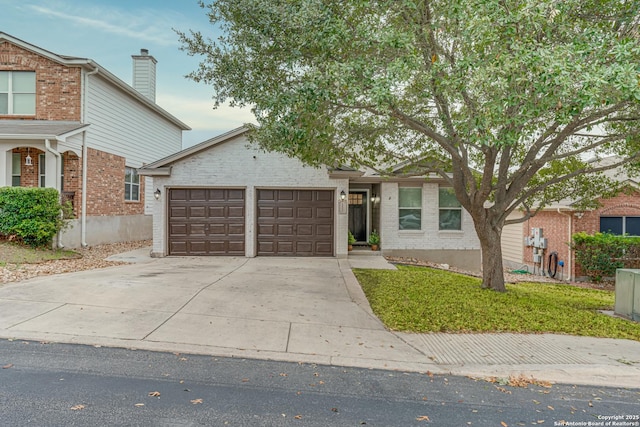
110, 31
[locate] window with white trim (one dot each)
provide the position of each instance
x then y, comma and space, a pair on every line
410, 208
620, 225
16, 169
131, 185
450, 210
18, 92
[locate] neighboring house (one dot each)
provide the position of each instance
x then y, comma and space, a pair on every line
617, 215
225, 197
69, 124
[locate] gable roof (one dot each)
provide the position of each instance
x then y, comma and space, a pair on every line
163, 166
91, 65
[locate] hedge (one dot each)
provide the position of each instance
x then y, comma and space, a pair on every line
600, 254
30, 214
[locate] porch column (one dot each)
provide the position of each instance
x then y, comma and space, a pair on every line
5, 159
51, 169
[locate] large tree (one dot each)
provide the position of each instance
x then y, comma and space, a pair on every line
506, 100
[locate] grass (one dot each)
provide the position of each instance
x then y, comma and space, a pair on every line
14, 253
419, 299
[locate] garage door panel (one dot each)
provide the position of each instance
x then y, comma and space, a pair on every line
304, 212
266, 212
206, 221
178, 229
305, 229
305, 195
197, 195
285, 212
324, 196
177, 212
324, 230
284, 230
284, 195
197, 212
295, 222
236, 212
266, 229
324, 213
196, 229
236, 230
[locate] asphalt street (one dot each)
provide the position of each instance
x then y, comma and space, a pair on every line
47, 384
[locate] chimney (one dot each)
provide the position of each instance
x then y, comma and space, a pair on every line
144, 74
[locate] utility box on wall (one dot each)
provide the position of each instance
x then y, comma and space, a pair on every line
628, 293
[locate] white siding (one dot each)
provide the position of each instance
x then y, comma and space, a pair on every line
513, 241
429, 237
126, 127
233, 164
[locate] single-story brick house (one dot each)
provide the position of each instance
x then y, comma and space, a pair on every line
617, 215
67, 123
226, 197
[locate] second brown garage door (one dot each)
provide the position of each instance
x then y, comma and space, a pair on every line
206, 221
295, 222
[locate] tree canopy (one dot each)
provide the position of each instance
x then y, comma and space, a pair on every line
506, 100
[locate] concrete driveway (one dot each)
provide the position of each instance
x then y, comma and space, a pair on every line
299, 309
291, 309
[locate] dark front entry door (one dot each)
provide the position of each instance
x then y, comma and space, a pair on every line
358, 215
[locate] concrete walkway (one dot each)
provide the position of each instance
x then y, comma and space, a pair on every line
292, 309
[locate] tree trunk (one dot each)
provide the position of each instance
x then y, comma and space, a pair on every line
492, 270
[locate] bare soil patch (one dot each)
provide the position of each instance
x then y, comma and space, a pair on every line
78, 260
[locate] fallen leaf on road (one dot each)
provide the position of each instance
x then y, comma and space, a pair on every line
7, 366
154, 393
423, 418
196, 401
551, 407
298, 417
503, 424
77, 407
139, 404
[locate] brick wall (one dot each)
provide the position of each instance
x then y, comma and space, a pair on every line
556, 226
105, 186
58, 88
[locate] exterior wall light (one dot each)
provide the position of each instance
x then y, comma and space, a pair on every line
343, 196
156, 194
27, 160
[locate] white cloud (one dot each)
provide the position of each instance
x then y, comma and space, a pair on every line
142, 24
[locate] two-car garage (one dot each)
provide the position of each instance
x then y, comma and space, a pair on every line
288, 222
227, 197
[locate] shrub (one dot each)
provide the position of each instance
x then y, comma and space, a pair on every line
31, 214
601, 254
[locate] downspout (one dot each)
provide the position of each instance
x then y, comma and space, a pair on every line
570, 256
47, 144
83, 211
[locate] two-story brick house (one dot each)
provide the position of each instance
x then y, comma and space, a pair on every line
69, 124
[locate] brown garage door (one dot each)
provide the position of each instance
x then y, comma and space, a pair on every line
295, 222
206, 221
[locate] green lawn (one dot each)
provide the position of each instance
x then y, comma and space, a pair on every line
14, 253
419, 299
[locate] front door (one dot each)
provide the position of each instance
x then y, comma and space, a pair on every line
358, 215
